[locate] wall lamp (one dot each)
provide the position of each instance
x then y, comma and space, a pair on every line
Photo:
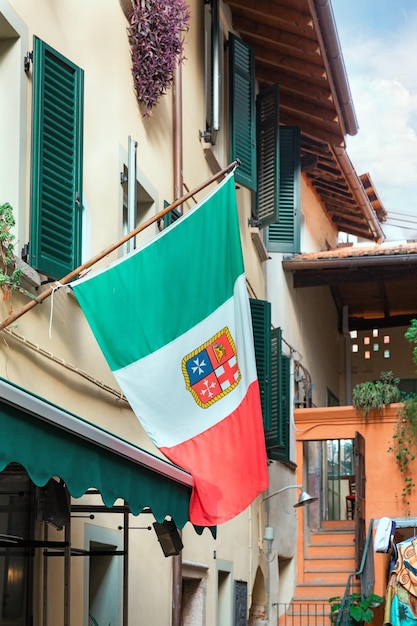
168, 537
304, 499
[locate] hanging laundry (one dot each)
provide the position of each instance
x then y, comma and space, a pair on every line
401, 596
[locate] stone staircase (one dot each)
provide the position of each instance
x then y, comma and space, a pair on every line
329, 558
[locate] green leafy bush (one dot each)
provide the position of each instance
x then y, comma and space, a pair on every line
360, 607
10, 275
376, 394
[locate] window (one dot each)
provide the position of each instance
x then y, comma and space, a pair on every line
274, 381
284, 234
16, 564
13, 116
57, 141
139, 201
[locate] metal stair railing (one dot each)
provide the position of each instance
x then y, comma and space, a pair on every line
303, 613
315, 614
366, 577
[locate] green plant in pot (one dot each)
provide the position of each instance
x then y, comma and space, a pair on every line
376, 394
360, 608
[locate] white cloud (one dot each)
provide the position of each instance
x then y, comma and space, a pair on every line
384, 89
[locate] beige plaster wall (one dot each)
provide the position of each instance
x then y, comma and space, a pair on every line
55, 334
307, 316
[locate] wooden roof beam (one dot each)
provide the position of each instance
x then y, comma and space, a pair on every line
264, 31
276, 13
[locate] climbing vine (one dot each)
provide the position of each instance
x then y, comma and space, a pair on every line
404, 444
10, 275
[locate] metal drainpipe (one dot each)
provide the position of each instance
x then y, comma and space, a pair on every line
178, 186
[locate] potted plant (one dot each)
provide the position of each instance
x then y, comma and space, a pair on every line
360, 608
376, 394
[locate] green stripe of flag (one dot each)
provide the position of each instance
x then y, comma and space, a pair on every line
152, 297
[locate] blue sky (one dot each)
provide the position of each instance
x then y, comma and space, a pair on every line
379, 45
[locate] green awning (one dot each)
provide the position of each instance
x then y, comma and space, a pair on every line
49, 441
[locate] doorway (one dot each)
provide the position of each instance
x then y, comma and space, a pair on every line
338, 474
104, 594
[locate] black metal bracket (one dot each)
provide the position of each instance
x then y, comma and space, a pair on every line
27, 61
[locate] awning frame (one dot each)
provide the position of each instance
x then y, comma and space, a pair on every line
41, 409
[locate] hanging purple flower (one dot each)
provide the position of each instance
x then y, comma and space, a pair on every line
156, 35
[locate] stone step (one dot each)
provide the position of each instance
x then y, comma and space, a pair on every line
322, 563
318, 592
324, 577
330, 551
334, 538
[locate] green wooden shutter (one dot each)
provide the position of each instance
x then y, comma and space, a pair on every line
272, 434
278, 437
261, 322
56, 212
284, 431
242, 110
172, 216
284, 235
267, 136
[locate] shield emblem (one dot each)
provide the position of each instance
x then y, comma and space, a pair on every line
212, 370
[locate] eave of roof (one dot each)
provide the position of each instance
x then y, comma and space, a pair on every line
347, 255
374, 286
297, 46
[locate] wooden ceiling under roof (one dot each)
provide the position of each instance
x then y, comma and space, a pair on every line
288, 44
377, 284
296, 45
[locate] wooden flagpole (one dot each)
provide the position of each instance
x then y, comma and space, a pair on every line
81, 268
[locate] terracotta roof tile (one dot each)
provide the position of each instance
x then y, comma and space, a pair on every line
354, 252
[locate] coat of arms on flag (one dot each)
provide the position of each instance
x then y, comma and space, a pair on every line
211, 371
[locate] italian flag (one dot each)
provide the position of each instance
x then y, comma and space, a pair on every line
173, 321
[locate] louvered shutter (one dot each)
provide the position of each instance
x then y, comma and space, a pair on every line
267, 136
284, 431
272, 434
261, 322
171, 217
278, 437
242, 110
284, 235
56, 212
